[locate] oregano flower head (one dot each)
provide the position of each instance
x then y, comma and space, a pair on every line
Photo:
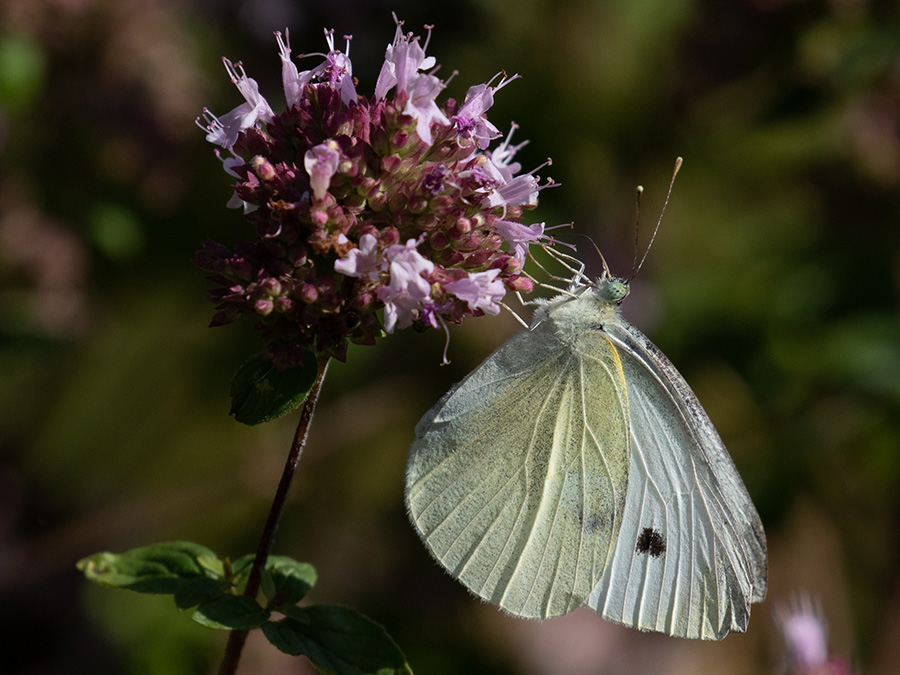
391, 204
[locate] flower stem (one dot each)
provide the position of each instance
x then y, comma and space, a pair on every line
237, 638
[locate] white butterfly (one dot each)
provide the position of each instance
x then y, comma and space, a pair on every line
576, 467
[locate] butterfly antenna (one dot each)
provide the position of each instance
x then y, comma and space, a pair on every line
606, 273
639, 190
579, 273
637, 269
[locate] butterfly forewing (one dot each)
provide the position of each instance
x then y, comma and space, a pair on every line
691, 552
517, 478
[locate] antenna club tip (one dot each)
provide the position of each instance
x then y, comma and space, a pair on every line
639, 189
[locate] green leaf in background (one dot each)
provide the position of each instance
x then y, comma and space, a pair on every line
259, 393
115, 230
23, 71
158, 568
338, 641
192, 592
231, 612
287, 581
240, 569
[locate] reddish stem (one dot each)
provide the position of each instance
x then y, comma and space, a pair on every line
237, 638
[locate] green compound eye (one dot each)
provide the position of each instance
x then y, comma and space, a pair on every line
615, 290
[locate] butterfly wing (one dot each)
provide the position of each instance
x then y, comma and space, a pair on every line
691, 553
516, 480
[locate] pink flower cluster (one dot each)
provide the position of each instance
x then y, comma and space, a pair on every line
390, 204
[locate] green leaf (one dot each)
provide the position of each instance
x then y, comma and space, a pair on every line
259, 393
23, 70
167, 567
115, 230
288, 581
296, 612
192, 592
212, 564
240, 569
338, 641
231, 612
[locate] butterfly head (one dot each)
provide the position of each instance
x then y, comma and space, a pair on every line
612, 289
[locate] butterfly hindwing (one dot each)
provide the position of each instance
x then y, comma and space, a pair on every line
691, 552
516, 481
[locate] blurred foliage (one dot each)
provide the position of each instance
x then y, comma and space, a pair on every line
772, 285
338, 640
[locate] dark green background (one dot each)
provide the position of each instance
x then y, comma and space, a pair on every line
772, 286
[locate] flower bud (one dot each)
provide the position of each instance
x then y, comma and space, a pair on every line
417, 204
296, 254
390, 237
520, 284
427, 221
479, 258
391, 163
400, 139
271, 286
264, 169
467, 242
510, 266
397, 202
308, 293
363, 300
443, 202
377, 201
439, 241
318, 217
325, 285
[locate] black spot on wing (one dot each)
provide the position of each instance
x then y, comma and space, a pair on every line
650, 541
598, 327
